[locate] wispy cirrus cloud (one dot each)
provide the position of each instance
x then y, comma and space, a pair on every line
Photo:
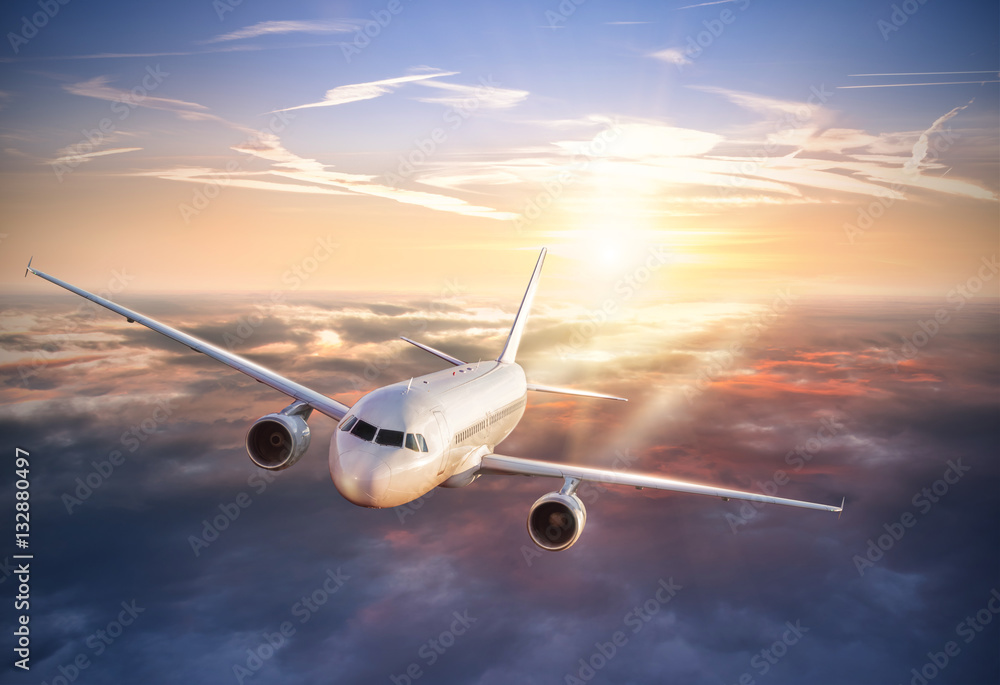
791, 155
706, 4
272, 28
310, 171
310, 176
486, 95
355, 92
71, 156
98, 87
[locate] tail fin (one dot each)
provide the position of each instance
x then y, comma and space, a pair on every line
514, 339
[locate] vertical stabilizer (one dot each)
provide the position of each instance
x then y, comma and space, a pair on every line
514, 339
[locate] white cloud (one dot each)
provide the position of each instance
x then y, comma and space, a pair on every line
671, 56
923, 143
356, 92
71, 156
98, 87
486, 95
270, 28
706, 4
310, 171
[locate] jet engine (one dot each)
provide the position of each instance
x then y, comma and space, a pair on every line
556, 521
276, 441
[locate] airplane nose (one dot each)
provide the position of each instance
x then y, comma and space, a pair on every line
361, 478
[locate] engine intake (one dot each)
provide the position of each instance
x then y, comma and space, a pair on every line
277, 441
556, 521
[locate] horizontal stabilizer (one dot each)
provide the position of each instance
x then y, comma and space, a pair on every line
569, 391
437, 353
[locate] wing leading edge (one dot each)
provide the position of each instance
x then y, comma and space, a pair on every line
317, 401
500, 464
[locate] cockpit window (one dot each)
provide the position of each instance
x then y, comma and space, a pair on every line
416, 442
389, 438
364, 430
384, 436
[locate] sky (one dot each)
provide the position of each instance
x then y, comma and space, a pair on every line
772, 226
210, 145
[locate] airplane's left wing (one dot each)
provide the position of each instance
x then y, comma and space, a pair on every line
500, 464
317, 401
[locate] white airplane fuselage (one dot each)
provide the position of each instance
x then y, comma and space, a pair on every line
461, 413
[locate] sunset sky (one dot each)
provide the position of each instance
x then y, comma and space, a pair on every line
210, 146
773, 226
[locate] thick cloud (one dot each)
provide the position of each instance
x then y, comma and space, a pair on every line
812, 405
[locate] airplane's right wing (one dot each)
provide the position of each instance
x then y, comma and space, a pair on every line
500, 464
317, 401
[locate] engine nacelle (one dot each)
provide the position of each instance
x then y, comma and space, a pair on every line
277, 441
556, 521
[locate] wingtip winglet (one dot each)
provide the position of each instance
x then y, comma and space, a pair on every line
841, 510
28, 268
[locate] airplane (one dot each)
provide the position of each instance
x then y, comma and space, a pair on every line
399, 442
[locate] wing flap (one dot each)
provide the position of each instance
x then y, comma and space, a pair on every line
500, 464
317, 401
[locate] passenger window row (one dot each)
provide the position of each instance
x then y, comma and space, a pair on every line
384, 436
464, 435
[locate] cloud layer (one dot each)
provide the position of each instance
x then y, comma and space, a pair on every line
814, 393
